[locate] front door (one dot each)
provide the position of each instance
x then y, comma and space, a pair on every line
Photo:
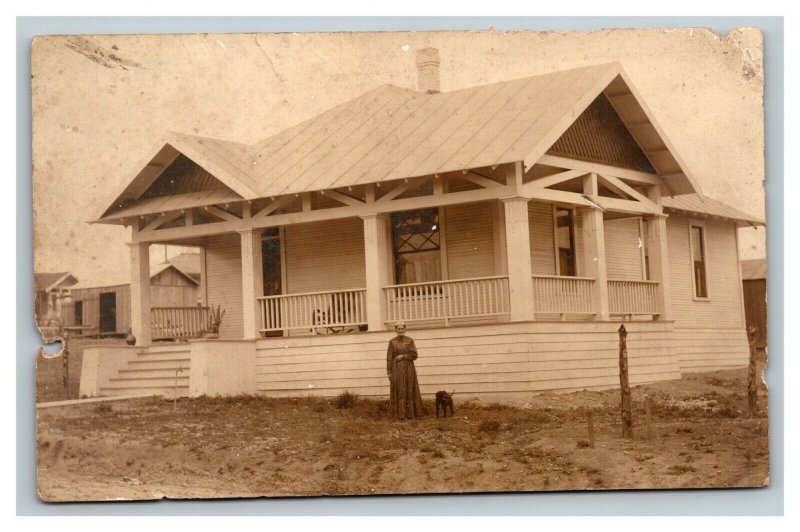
271, 265
108, 312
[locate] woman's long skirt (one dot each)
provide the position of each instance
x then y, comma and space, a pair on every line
405, 400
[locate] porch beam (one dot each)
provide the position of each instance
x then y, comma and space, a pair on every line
623, 206
623, 173
221, 214
343, 198
555, 179
595, 254
140, 292
422, 202
396, 191
252, 282
274, 206
622, 188
161, 220
555, 196
478, 179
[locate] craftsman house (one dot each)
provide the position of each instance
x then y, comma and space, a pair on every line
512, 226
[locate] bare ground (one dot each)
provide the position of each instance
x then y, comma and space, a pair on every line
699, 436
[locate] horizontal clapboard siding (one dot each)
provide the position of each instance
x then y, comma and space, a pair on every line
623, 255
224, 272
470, 242
723, 309
325, 256
507, 360
91, 307
711, 349
709, 334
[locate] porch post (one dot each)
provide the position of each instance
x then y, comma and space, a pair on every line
252, 282
376, 256
595, 255
658, 256
140, 292
518, 255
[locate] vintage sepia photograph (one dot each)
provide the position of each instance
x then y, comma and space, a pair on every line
371, 263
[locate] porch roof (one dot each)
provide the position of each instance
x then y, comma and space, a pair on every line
393, 133
696, 204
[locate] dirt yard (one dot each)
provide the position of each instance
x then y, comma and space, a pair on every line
699, 436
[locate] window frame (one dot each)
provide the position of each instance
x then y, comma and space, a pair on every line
573, 241
442, 250
700, 224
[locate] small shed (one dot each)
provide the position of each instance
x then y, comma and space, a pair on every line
754, 286
106, 310
52, 290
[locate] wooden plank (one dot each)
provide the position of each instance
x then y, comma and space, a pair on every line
622, 188
560, 177
623, 173
478, 179
221, 213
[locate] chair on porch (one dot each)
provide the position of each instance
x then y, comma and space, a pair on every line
337, 318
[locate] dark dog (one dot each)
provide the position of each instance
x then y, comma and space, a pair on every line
444, 401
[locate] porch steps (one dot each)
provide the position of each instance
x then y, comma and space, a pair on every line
152, 371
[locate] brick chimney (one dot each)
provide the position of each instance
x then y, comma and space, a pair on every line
428, 70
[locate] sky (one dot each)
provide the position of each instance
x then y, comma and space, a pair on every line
101, 104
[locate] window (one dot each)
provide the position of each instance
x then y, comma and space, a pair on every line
416, 246
78, 313
698, 248
271, 261
565, 242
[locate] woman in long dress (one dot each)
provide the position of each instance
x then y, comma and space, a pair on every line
404, 397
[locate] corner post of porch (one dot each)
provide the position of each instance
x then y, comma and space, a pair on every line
140, 292
376, 257
658, 256
252, 282
518, 258
595, 256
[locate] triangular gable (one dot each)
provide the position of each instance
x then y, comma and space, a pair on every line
640, 123
599, 135
161, 268
213, 156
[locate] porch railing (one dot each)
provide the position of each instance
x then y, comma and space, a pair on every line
178, 322
463, 298
330, 311
563, 295
632, 297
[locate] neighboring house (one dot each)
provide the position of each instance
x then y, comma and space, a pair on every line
754, 284
52, 295
512, 226
105, 310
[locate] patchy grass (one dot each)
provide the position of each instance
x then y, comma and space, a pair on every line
254, 445
345, 400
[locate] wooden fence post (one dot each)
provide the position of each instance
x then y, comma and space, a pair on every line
624, 387
752, 382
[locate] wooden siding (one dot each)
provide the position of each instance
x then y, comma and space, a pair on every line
470, 242
623, 254
91, 307
509, 361
709, 334
224, 271
600, 135
325, 256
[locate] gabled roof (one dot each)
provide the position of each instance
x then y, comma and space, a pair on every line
392, 133
122, 279
704, 206
50, 281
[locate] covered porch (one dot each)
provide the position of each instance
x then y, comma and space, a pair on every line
560, 242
